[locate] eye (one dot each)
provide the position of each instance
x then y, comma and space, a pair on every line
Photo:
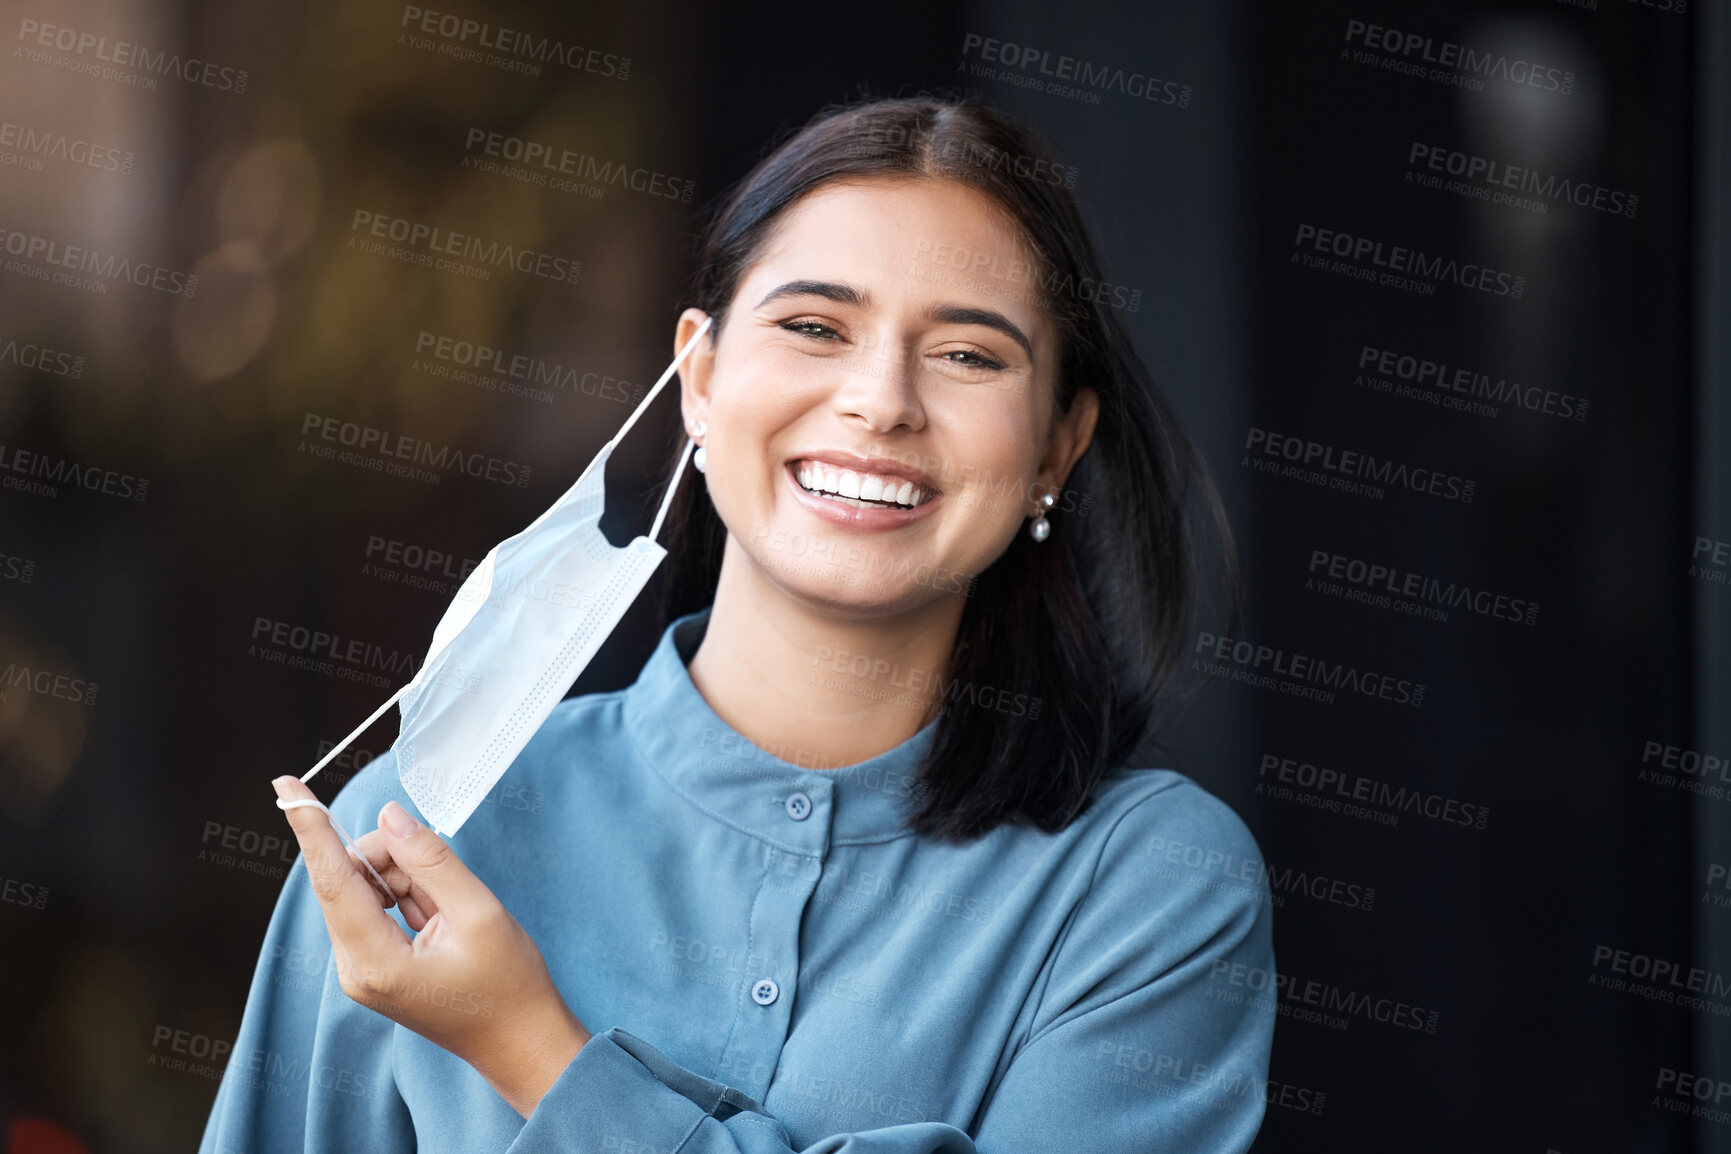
814, 329
968, 358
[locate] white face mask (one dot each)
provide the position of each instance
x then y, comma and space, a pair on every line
520, 630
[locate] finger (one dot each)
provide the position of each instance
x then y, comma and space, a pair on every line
409, 896
350, 904
373, 847
372, 874
439, 879
413, 914
387, 899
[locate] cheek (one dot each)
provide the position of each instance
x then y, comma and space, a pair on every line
743, 469
760, 395
996, 459
778, 376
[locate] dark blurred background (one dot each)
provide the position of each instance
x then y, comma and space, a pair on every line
1510, 854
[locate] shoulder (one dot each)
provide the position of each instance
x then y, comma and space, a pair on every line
581, 718
586, 723
1174, 894
588, 729
1171, 853
1160, 813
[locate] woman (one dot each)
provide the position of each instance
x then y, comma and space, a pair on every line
857, 863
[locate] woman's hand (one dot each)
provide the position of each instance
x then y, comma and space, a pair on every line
470, 980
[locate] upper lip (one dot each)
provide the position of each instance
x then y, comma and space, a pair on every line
883, 466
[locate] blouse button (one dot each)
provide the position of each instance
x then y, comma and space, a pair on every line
765, 992
798, 806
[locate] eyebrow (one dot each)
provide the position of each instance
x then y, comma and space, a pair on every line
847, 294
964, 315
841, 294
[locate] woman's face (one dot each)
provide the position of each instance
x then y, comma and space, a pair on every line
880, 400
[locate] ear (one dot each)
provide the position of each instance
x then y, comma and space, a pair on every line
694, 371
1072, 433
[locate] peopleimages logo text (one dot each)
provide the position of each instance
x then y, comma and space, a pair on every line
1304, 453
399, 447
123, 54
52, 471
556, 161
1441, 376
1084, 73
1482, 170
48, 251
38, 143
28, 355
1408, 261
1227, 655
522, 48
1419, 49
441, 241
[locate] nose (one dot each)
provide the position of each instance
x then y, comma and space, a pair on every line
880, 388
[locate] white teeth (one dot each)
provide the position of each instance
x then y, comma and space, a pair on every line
855, 487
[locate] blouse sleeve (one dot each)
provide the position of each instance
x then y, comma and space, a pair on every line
310, 1069
1138, 1042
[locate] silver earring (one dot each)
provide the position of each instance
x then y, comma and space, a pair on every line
1042, 528
700, 458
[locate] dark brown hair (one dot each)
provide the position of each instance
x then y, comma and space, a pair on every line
1088, 627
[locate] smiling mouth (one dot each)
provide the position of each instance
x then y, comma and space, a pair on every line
861, 490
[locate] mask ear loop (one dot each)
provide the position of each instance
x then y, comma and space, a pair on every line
685, 454
666, 375
672, 487
348, 841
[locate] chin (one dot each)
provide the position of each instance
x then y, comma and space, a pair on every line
843, 591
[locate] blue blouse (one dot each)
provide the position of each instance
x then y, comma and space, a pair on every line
769, 962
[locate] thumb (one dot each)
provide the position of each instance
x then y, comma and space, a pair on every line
433, 866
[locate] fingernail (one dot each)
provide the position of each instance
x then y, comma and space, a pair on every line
281, 785
397, 820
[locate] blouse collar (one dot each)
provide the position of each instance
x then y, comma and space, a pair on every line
721, 772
